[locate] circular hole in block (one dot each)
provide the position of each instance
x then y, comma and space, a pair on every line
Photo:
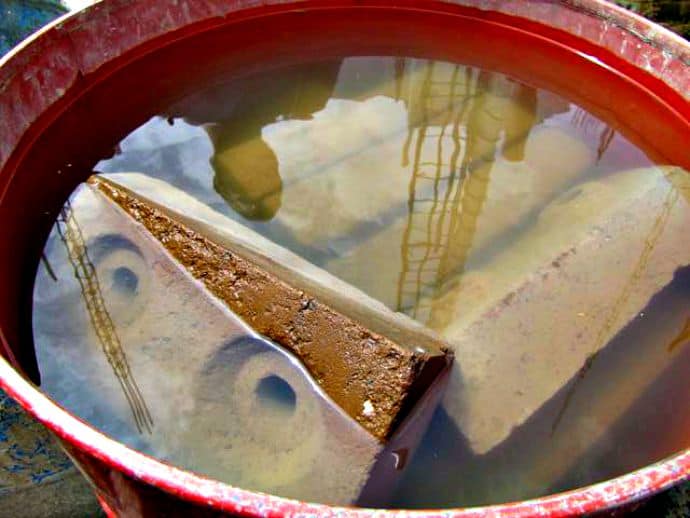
276, 395
125, 281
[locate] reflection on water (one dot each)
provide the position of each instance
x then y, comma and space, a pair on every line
85, 273
651, 240
246, 167
398, 148
545, 247
122, 308
682, 338
441, 228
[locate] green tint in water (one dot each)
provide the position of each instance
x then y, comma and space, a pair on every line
544, 246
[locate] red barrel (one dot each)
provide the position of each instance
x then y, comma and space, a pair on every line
84, 71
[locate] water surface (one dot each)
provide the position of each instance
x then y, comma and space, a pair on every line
535, 237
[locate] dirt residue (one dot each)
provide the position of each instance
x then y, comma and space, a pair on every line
372, 378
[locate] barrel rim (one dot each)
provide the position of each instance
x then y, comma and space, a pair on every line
617, 30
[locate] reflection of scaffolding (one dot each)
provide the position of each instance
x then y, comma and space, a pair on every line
447, 190
85, 273
433, 192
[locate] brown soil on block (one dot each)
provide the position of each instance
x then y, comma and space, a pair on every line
375, 379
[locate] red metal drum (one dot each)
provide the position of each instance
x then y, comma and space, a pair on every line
99, 71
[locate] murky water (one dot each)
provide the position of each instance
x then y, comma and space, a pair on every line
540, 242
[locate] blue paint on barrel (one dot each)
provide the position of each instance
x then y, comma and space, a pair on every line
19, 18
28, 453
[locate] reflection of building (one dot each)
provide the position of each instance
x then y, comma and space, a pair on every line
394, 154
425, 243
